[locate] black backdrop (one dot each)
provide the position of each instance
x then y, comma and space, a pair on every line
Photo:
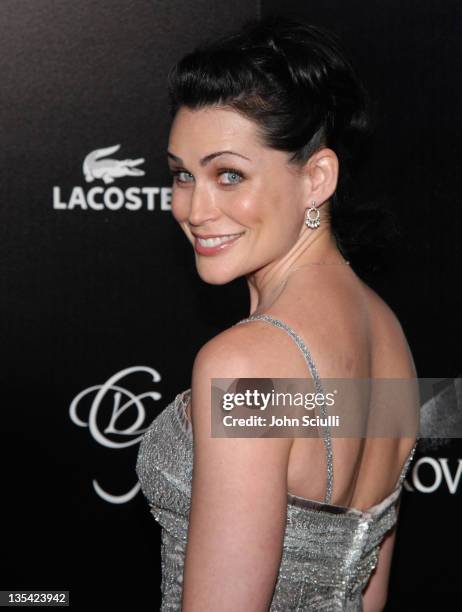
102, 307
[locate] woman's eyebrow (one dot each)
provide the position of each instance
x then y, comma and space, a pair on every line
205, 160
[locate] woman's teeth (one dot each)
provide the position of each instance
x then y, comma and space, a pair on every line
211, 242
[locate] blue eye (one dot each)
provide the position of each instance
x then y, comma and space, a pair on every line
236, 176
234, 173
176, 174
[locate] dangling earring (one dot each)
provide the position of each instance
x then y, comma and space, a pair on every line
313, 223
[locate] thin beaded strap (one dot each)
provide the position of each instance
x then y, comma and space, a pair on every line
403, 473
307, 355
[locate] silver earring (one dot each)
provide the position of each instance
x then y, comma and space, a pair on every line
313, 223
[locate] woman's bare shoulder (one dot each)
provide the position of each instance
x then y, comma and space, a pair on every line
252, 349
349, 330
390, 350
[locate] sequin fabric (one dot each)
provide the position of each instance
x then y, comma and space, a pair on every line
329, 551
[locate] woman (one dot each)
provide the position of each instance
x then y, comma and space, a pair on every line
266, 126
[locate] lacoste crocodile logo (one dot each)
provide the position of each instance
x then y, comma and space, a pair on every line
97, 166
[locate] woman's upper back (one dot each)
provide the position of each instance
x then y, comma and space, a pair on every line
349, 332
328, 551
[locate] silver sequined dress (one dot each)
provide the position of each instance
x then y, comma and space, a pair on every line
329, 551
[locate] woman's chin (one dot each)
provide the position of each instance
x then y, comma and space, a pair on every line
214, 277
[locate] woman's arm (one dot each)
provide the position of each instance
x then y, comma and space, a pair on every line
376, 592
239, 497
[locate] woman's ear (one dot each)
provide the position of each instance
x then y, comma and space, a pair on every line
321, 171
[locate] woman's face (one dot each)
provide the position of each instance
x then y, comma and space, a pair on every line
252, 192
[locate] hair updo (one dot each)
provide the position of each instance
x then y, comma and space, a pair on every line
295, 81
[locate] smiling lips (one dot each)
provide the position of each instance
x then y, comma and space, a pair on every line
210, 246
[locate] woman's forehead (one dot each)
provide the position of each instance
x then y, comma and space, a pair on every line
198, 133
212, 122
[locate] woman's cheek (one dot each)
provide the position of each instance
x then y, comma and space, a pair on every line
180, 208
247, 209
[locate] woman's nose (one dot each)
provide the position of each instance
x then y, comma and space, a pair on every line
202, 207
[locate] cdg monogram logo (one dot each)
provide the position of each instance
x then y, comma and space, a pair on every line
440, 470
112, 393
